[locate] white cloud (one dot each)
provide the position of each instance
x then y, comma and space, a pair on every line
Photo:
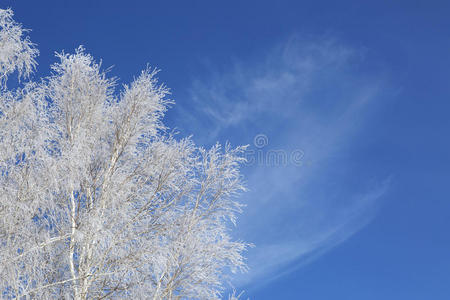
305, 94
289, 243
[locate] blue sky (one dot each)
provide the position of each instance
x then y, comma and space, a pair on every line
361, 90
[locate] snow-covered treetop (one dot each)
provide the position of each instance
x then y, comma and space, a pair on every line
97, 198
17, 52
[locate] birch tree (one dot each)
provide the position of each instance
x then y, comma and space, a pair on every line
99, 200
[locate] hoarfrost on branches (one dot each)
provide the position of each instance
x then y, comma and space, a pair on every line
98, 199
17, 53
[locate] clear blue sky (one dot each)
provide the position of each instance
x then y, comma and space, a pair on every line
362, 89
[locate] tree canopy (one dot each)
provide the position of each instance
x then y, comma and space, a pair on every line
98, 198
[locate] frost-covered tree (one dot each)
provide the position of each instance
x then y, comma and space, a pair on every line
98, 198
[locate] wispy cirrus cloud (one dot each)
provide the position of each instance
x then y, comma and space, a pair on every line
308, 94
